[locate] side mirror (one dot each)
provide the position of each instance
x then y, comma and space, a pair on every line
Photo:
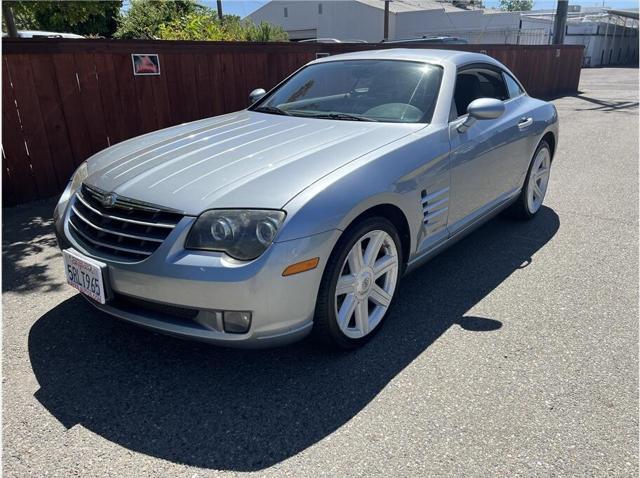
481, 109
255, 95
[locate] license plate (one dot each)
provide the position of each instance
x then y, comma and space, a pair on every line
85, 274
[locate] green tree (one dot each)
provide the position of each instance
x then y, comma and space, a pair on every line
204, 25
266, 32
516, 5
193, 26
144, 18
80, 17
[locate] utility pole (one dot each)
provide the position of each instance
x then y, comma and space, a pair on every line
386, 19
220, 10
7, 13
560, 24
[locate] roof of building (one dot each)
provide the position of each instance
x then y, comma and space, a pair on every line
401, 6
626, 13
592, 14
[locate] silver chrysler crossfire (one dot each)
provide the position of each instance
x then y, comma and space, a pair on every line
302, 212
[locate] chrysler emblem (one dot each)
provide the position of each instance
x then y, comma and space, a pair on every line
109, 200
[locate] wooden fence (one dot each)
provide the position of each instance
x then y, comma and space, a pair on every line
63, 100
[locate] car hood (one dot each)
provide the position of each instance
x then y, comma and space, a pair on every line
240, 160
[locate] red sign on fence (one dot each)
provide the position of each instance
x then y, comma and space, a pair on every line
145, 64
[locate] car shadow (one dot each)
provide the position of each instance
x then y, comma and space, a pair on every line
240, 410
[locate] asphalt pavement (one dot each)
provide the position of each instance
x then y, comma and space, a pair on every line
515, 352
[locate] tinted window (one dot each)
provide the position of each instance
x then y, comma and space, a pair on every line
477, 83
378, 90
512, 86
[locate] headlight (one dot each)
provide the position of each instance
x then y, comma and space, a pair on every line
243, 234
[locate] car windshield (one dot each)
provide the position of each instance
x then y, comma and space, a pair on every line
359, 90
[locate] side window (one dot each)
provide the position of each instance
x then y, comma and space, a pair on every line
474, 83
492, 85
512, 86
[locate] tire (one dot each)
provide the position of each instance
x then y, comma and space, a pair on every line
530, 201
362, 289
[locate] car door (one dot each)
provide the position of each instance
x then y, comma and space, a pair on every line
527, 138
482, 157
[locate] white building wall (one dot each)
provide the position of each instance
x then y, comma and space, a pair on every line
434, 22
536, 23
351, 20
473, 25
348, 20
344, 20
300, 16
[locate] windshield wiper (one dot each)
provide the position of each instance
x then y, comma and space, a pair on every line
343, 116
335, 116
273, 110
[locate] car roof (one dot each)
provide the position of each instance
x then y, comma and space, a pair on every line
320, 40
425, 39
42, 33
428, 55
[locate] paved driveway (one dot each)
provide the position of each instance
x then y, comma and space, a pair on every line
513, 353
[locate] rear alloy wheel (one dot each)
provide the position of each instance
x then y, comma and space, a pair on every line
359, 284
535, 185
538, 179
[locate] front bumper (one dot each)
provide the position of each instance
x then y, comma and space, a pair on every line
203, 283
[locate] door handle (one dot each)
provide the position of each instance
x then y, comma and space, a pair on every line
525, 122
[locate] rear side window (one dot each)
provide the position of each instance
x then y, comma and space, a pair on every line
474, 83
512, 86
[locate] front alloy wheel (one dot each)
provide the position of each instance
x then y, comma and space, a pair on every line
359, 283
366, 284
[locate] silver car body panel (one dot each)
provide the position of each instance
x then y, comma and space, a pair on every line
324, 174
230, 160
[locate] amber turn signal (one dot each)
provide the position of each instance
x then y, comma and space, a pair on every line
299, 267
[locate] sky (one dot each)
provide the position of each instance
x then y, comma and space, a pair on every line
244, 8
235, 7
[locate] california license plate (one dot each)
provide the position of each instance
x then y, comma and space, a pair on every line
85, 274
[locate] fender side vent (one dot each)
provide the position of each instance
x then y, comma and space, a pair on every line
435, 205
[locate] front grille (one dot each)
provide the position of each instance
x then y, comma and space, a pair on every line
126, 230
